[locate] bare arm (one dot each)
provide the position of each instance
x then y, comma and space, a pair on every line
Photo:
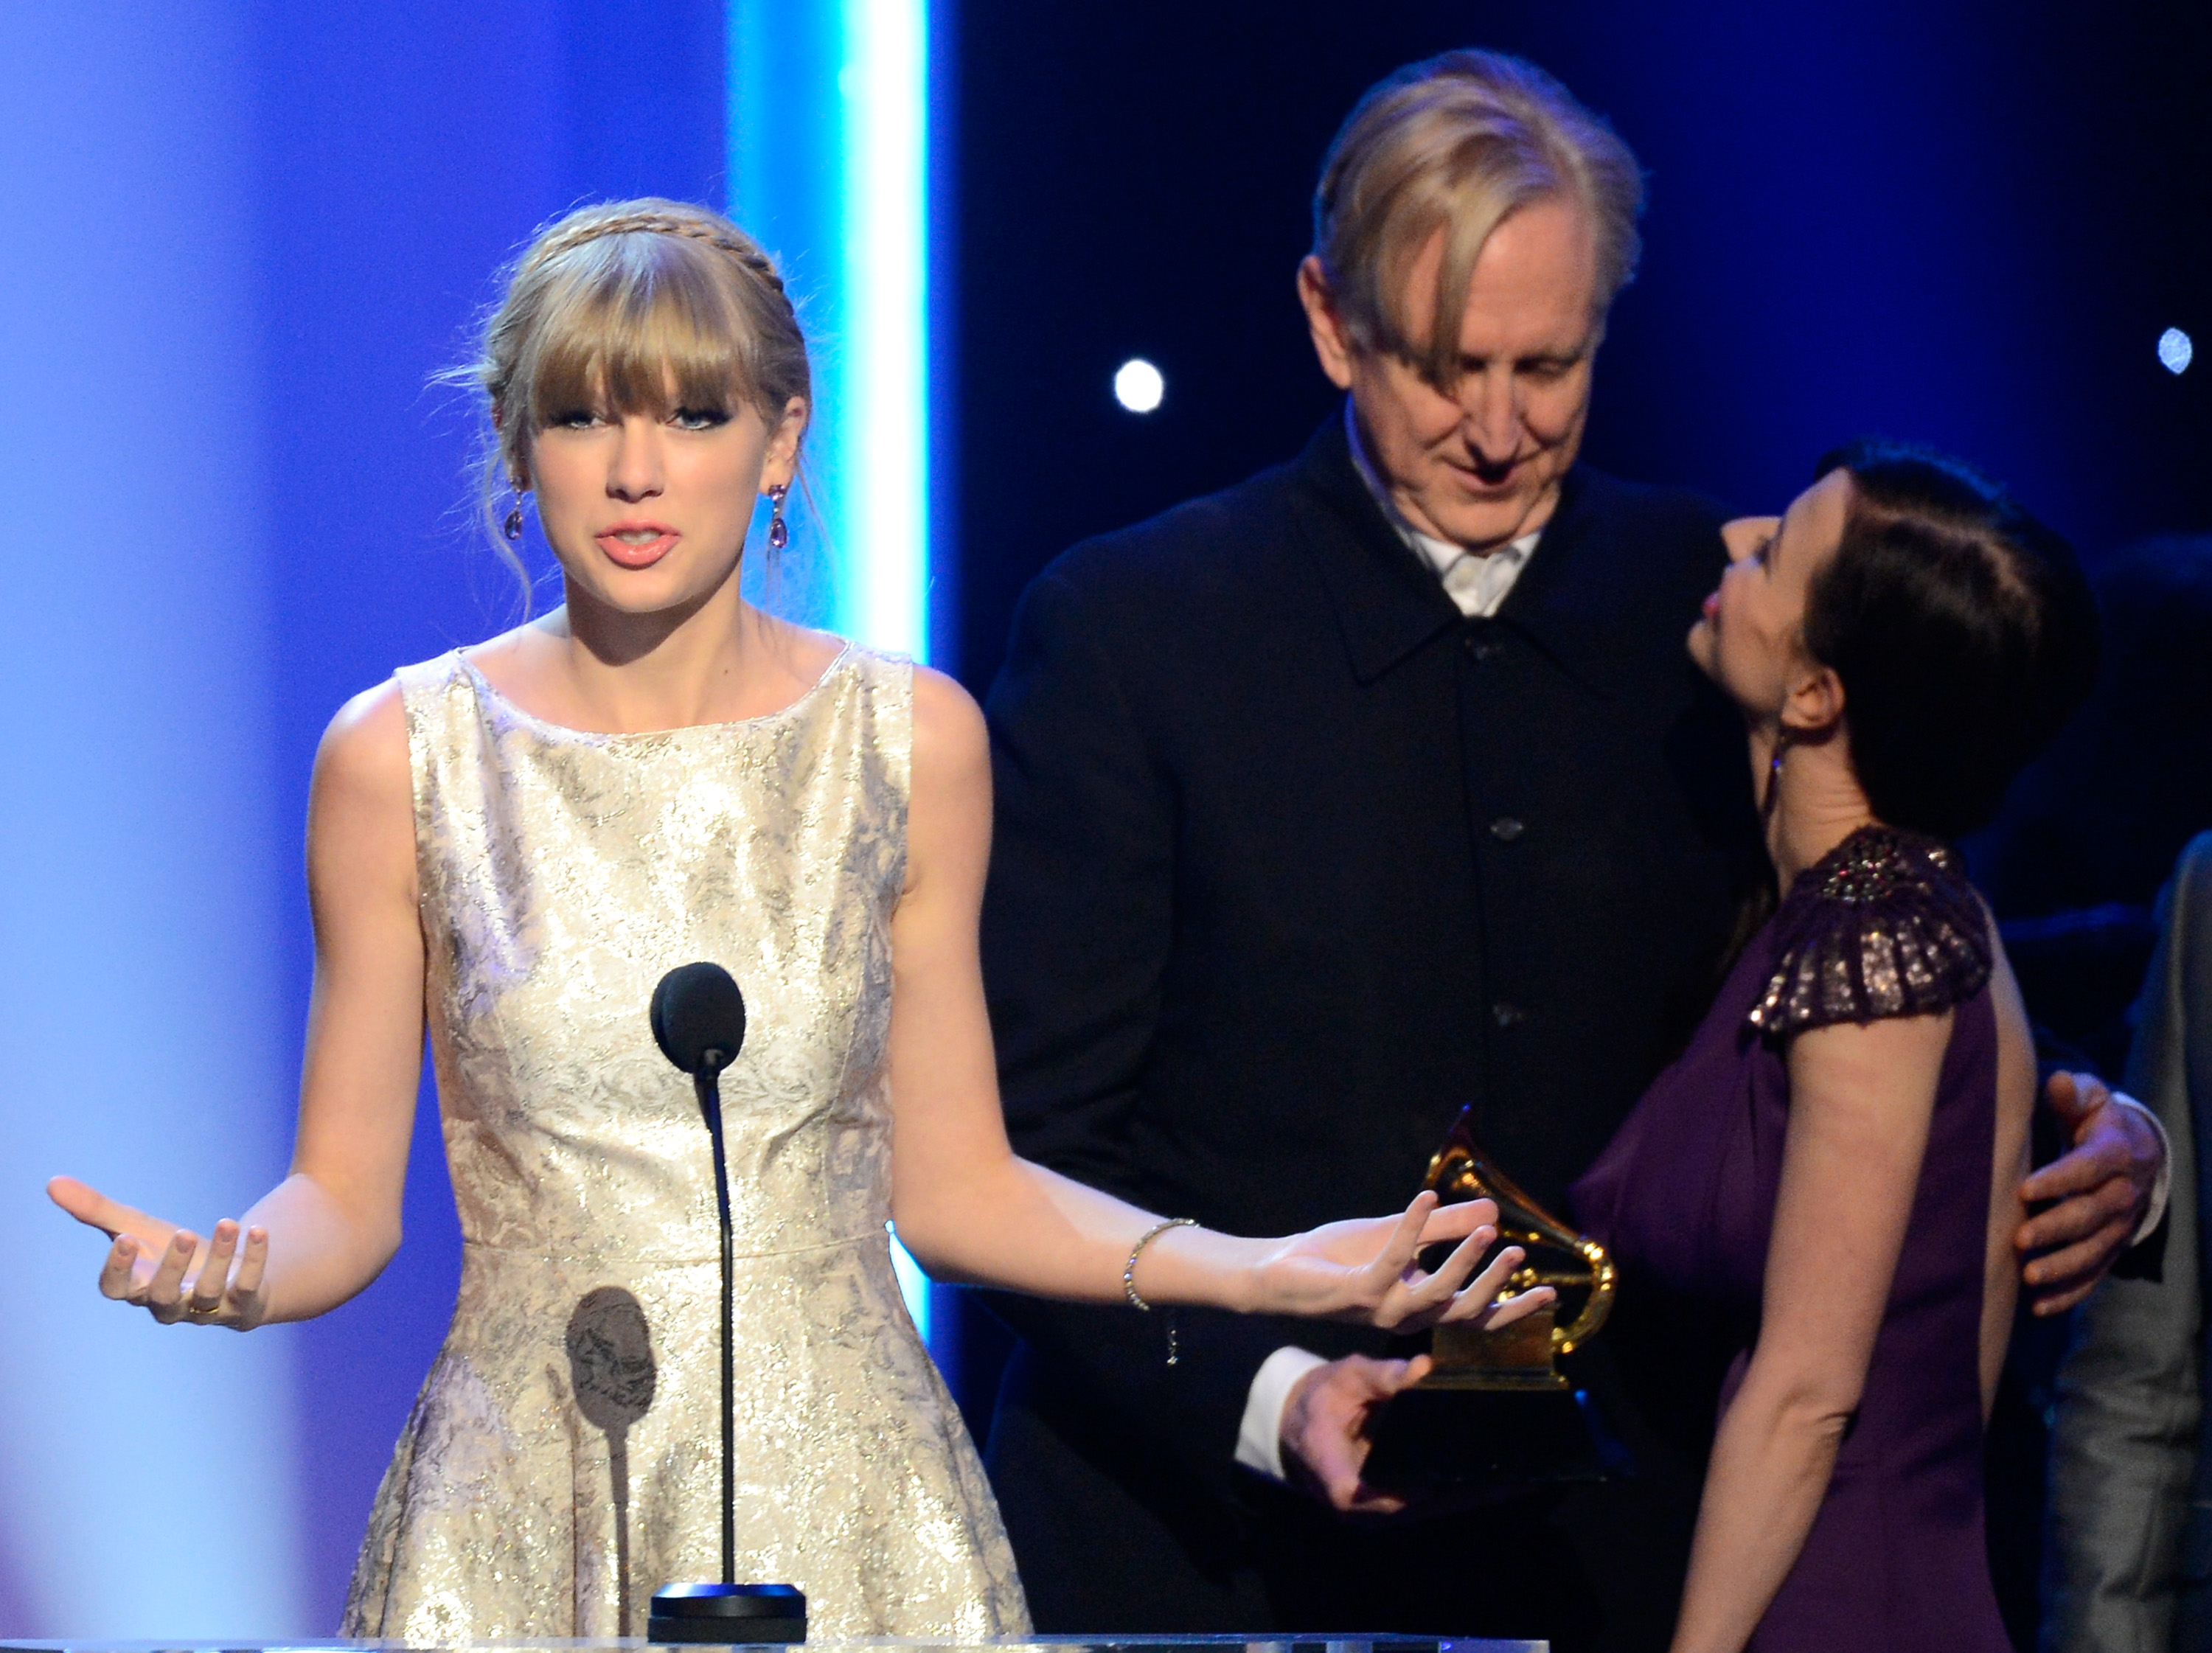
2008, 1165
1860, 1098
326, 1230
969, 1209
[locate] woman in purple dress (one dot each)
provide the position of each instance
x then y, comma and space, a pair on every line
1834, 1158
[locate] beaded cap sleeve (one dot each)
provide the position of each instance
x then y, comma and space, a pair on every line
1886, 924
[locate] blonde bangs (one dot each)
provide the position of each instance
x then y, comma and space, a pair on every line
639, 323
638, 306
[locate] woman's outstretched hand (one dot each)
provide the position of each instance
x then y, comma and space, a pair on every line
168, 1271
1368, 1271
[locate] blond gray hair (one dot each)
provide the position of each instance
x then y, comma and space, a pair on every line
642, 306
1455, 144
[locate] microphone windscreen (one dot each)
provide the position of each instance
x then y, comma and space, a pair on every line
695, 1009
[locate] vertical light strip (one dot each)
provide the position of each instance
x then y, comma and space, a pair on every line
830, 167
882, 427
884, 464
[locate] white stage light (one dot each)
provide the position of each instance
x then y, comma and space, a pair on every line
883, 369
829, 146
2174, 350
1137, 385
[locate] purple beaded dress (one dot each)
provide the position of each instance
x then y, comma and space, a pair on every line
1886, 925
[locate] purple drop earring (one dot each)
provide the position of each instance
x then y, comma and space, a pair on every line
779, 530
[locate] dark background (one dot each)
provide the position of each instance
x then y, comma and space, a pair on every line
1966, 224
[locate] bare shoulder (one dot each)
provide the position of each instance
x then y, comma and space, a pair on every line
949, 819
795, 656
951, 739
514, 663
810, 653
365, 744
368, 737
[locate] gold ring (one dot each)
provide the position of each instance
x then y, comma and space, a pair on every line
194, 1306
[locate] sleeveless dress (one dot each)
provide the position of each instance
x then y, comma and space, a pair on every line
1885, 924
563, 1459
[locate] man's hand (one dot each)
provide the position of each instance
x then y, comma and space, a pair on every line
1325, 1443
2101, 1187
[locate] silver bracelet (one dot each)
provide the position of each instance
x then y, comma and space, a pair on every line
1129, 1269
1129, 1276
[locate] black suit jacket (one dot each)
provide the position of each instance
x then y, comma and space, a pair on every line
1293, 861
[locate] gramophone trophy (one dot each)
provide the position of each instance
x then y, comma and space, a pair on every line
1495, 1408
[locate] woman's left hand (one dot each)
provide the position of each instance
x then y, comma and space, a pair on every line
1368, 1271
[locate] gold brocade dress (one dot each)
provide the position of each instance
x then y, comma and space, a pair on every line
563, 1461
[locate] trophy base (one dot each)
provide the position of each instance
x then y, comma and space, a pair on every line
1518, 1434
1498, 1383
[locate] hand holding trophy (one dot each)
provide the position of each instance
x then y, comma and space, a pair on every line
1493, 1408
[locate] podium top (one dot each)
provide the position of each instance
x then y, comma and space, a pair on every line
1368, 1644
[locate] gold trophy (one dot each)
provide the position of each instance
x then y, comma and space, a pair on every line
1495, 1408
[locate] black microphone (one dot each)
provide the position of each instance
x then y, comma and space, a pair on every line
699, 1022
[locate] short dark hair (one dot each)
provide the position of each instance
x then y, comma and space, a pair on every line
1961, 628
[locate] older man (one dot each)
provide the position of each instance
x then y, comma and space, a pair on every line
1377, 785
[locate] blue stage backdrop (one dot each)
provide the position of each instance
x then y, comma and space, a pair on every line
143, 1007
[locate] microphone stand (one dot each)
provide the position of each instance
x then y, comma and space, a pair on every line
708, 1083
698, 1018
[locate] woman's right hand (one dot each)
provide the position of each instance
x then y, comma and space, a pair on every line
1366, 1270
168, 1271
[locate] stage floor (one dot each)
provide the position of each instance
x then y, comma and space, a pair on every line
1066, 1644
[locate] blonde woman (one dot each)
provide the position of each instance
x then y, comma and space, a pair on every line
513, 842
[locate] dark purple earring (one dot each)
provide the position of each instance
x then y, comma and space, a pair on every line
513, 526
779, 530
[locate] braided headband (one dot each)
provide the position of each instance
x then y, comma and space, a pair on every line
657, 223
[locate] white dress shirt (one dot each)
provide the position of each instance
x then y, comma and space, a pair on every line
1477, 581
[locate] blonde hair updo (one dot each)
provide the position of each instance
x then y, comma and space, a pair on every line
636, 307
